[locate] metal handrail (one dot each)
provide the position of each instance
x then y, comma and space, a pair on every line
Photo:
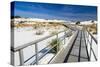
92, 37
91, 49
20, 48
49, 49
44, 54
33, 42
35, 54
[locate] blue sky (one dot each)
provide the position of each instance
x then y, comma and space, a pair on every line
54, 11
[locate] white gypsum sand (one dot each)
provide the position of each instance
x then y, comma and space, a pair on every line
28, 34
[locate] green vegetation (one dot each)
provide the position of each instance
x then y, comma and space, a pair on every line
15, 17
39, 32
56, 42
92, 21
35, 27
78, 22
92, 28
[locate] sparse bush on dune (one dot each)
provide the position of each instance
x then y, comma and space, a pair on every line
35, 27
92, 28
94, 32
51, 27
18, 25
78, 22
39, 32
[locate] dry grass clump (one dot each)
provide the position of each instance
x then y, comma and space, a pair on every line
92, 28
56, 42
39, 32
20, 25
52, 27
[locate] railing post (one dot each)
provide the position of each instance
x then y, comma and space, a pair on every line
88, 35
90, 47
21, 57
36, 51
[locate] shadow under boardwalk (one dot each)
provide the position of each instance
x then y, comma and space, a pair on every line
78, 51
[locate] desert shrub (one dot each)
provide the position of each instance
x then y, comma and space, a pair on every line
15, 17
51, 22
54, 42
92, 28
94, 32
78, 22
35, 27
39, 32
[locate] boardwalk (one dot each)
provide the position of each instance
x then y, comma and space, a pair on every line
80, 47
78, 52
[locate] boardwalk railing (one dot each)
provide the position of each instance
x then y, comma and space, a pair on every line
35, 43
91, 46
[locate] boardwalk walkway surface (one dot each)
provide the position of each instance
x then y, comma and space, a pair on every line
78, 51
